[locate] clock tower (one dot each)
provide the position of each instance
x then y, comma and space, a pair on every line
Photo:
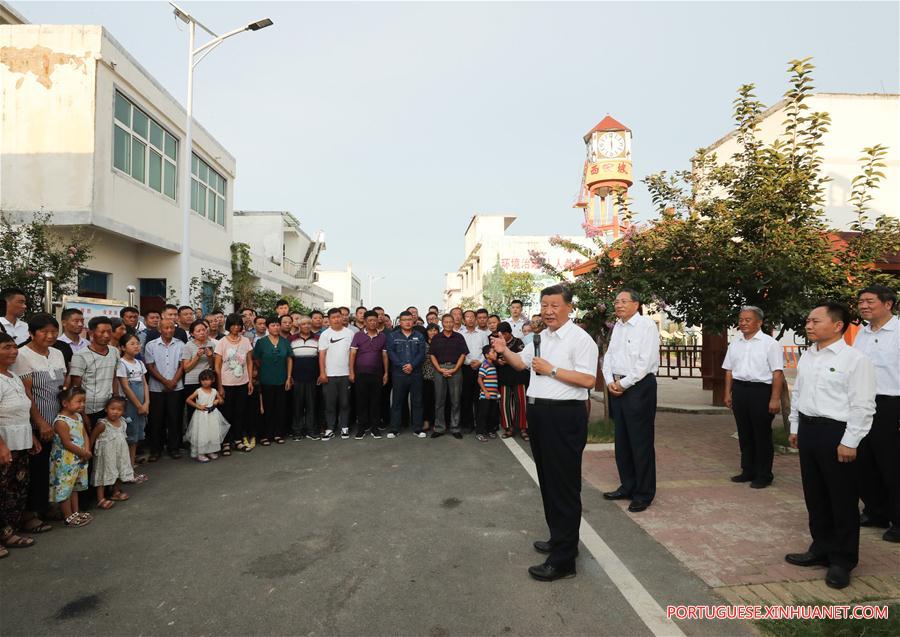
607, 171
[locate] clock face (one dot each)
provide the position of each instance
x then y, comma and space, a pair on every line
611, 144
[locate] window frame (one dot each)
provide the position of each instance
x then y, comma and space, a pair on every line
210, 189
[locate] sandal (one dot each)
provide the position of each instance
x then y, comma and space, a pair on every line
76, 520
106, 504
238, 446
40, 527
226, 449
524, 435
84, 515
13, 541
279, 440
202, 458
264, 443
506, 434
119, 496
3, 552
481, 438
140, 478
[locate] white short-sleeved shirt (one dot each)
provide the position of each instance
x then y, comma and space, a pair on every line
568, 347
19, 331
97, 372
475, 340
131, 372
167, 359
337, 346
754, 359
15, 413
883, 349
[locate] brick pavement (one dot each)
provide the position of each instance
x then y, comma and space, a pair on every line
729, 534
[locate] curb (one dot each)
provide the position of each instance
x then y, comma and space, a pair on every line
706, 410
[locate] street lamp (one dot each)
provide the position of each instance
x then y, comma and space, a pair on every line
372, 279
194, 58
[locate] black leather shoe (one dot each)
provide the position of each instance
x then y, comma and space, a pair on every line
457, 435
542, 547
741, 478
618, 494
892, 534
837, 577
548, 573
437, 434
806, 559
760, 484
868, 520
637, 507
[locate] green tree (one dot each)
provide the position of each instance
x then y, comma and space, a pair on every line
501, 288
211, 290
242, 278
29, 249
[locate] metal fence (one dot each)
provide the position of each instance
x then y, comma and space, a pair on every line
683, 361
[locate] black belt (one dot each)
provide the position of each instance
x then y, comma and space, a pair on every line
751, 383
821, 420
554, 403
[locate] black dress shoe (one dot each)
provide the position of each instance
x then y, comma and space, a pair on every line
437, 434
175, 456
892, 534
868, 520
618, 494
637, 506
457, 435
548, 573
837, 577
741, 478
806, 559
542, 547
760, 485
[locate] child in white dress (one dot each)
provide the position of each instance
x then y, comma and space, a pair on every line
208, 428
112, 460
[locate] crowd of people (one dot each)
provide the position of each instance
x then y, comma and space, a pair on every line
87, 404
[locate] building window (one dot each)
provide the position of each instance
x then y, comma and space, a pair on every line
207, 191
153, 295
144, 149
93, 284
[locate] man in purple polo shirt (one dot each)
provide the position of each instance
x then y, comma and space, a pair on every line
368, 373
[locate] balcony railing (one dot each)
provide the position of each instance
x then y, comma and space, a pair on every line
296, 270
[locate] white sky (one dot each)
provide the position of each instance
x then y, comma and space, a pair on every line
388, 125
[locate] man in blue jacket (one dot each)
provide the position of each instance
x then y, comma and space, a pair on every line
406, 349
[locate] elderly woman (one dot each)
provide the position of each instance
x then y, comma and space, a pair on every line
42, 369
16, 442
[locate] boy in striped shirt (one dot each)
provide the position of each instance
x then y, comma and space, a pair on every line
488, 420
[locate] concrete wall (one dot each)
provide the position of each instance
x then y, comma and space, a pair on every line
344, 286
857, 121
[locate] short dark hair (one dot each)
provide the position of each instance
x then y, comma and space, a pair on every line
634, 294
41, 320
370, 314
69, 393
247, 309
514, 301
233, 319
125, 339
170, 306
126, 310
342, 308
481, 310
413, 307
285, 316
314, 312
333, 311
281, 302
185, 307
494, 316
116, 322
361, 307
97, 321
157, 312
69, 311
6, 338
405, 313
883, 292
504, 328
486, 349
207, 374
433, 307
259, 318
196, 323
448, 315
456, 308
115, 399
837, 312
561, 289
377, 307
217, 310
472, 312
273, 320
7, 293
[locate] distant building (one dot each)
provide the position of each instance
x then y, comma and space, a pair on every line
90, 136
857, 121
487, 244
285, 258
344, 285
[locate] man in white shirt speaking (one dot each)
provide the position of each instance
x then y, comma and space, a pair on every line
563, 365
754, 377
831, 412
879, 452
629, 370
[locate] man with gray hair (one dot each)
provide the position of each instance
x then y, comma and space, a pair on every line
754, 379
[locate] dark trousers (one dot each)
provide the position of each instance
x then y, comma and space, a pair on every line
386, 403
320, 407
288, 411
558, 435
166, 415
831, 491
39, 479
750, 405
274, 398
367, 390
406, 386
468, 397
488, 415
14, 490
234, 410
428, 400
634, 414
337, 402
305, 409
878, 458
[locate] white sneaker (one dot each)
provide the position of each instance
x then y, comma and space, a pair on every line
392, 435
421, 434
345, 433
329, 434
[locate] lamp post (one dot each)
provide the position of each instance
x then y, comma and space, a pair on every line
194, 58
372, 279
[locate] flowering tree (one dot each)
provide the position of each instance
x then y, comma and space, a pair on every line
30, 249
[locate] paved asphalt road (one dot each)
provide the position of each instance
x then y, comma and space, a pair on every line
373, 537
